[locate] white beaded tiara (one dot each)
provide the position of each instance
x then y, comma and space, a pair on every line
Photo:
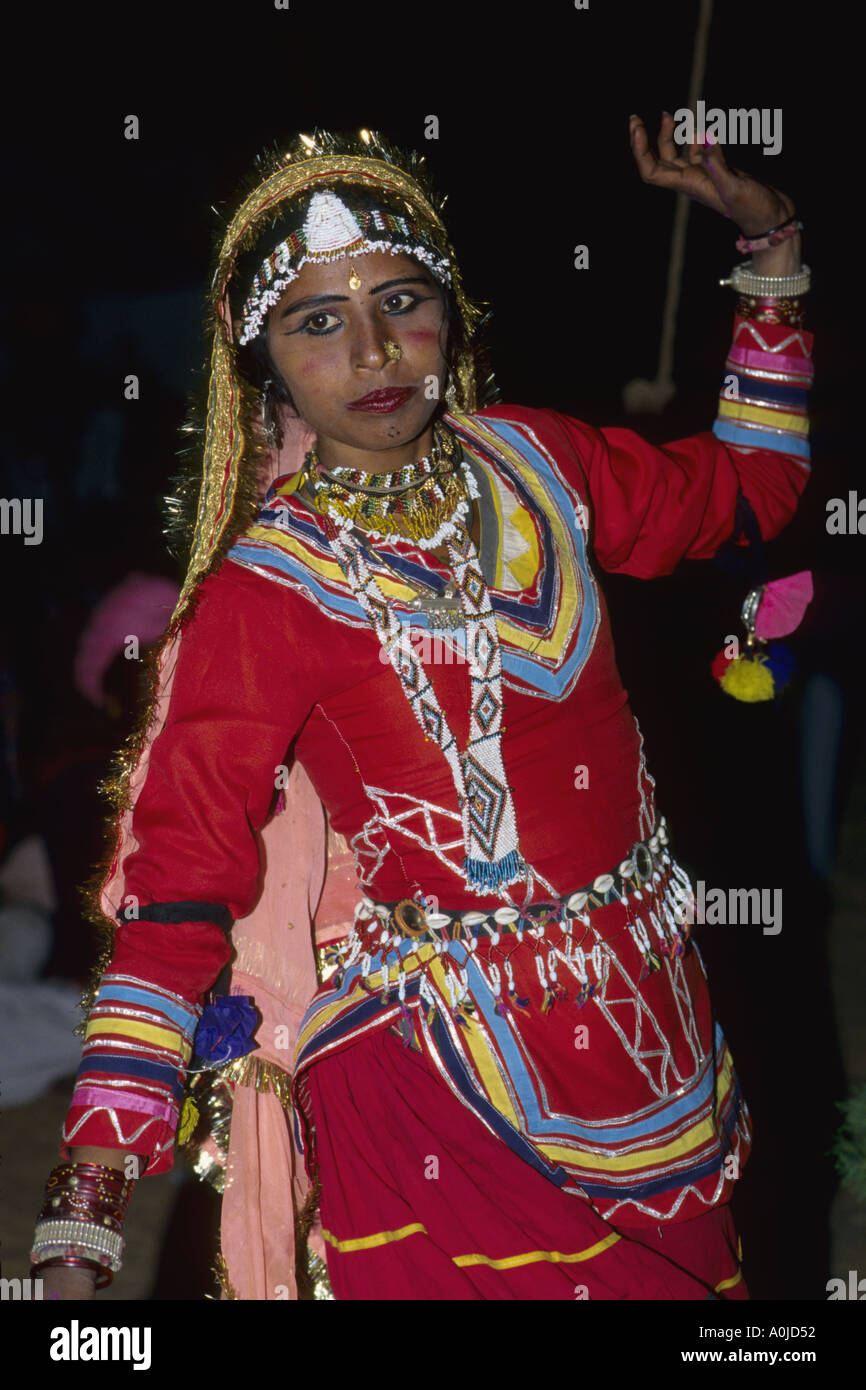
332, 232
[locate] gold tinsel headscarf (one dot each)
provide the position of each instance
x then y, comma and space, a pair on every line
226, 476
219, 491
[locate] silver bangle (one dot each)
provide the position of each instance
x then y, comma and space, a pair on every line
771, 286
55, 1239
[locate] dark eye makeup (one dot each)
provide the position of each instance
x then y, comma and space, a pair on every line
321, 332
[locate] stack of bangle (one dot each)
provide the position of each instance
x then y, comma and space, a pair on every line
766, 309
81, 1221
770, 298
745, 281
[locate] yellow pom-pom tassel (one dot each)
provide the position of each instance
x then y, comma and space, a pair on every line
749, 680
188, 1121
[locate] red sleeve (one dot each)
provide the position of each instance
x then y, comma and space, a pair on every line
655, 506
237, 700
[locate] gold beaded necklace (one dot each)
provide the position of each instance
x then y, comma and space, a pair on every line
417, 502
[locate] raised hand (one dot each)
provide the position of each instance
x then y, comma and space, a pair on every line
701, 171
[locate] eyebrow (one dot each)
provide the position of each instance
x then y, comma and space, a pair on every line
344, 298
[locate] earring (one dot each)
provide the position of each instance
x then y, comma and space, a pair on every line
392, 350
267, 421
451, 393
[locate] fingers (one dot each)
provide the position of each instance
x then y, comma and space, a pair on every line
670, 158
667, 149
640, 148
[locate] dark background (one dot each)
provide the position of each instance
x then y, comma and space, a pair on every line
107, 260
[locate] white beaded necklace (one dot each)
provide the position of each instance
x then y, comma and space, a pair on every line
492, 856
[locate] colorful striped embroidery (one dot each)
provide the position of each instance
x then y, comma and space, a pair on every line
137, 1047
547, 628
676, 1144
764, 407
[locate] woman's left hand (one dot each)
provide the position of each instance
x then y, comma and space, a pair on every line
702, 173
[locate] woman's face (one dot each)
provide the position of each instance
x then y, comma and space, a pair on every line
327, 342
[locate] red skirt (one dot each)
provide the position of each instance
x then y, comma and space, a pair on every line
420, 1201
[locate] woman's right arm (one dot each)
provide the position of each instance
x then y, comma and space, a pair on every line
239, 692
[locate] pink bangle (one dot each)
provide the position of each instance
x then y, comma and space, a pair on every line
772, 238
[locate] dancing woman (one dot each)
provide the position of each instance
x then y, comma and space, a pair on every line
508, 1083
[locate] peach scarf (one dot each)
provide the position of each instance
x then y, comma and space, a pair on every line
308, 894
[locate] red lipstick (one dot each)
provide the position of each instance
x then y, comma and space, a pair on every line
383, 402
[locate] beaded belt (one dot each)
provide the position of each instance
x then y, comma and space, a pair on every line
647, 875
654, 890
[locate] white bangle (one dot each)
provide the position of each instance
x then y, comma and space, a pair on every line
56, 1239
771, 286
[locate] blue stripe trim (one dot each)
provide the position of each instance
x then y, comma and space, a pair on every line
363, 1012
759, 389
186, 1019
525, 1148
699, 1096
129, 1066
649, 1189
533, 672
456, 1069
672, 1180
759, 439
267, 555
537, 617
696, 1099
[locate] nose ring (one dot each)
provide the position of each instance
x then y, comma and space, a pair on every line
393, 350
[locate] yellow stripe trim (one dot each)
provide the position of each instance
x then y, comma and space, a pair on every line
465, 1261
325, 569
482, 1057
570, 597
328, 1013
534, 1256
369, 1242
760, 415
693, 1139
324, 1016
525, 567
500, 526
162, 1037
729, 1283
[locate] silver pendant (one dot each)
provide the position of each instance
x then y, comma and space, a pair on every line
442, 610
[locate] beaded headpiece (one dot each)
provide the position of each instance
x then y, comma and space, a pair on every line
393, 203
333, 230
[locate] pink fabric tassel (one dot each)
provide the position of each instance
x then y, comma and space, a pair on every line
783, 604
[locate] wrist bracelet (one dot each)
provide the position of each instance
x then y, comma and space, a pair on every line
742, 279
765, 309
774, 237
82, 1216
84, 1238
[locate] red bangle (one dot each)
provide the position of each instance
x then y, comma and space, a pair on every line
68, 1262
